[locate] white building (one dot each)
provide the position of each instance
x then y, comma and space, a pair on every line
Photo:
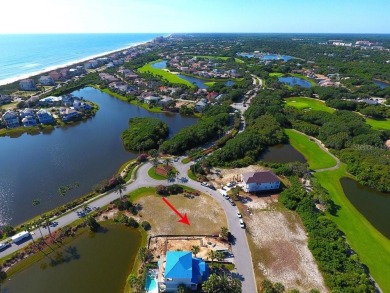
46, 80
27, 85
259, 181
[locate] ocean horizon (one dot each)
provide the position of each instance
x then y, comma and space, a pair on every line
25, 55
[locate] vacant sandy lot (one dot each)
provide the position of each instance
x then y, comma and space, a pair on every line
159, 245
228, 175
279, 247
205, 215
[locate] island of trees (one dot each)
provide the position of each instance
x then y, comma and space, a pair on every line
144, 134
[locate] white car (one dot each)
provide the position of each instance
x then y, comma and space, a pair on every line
242, 224
239, 214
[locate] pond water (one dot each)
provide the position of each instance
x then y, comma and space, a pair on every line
292, 81
95, 262
282, 153
160, 65
372, 204
266, 56
229, 83
34, 166
198, 82
381, 84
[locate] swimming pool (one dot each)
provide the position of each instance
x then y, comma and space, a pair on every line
151, 283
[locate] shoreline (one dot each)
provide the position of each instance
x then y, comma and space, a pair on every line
10, 80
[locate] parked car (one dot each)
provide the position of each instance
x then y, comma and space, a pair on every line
242, 224
239, 214
230, 184
203, 183
232, 202
211, 186
4, 246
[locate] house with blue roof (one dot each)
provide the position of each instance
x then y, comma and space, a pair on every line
182, 268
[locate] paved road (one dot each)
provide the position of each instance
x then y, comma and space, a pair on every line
240, 246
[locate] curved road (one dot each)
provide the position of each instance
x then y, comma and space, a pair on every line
242, 255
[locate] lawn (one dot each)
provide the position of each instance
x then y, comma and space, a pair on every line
276, 74
164, 74
204, 213
372, 247
315, 156
379, 124
303, 103
152, 173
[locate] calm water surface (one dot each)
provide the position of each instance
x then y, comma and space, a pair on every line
97, 262
372, 204
292, 81
381, 84
33, 167
282, 153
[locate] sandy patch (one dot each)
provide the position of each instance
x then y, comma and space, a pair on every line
228, 175
159, 245
282, 254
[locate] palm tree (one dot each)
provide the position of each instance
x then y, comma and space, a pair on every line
47, 222
119, 189
219, 255
195, 249
212, 256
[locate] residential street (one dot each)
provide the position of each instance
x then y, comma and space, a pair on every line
240, 246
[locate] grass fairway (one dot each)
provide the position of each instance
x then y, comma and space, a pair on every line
315, 156
302, 103
378, 124
276, 74
163, 74
372, 247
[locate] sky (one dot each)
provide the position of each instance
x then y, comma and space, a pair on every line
176, 16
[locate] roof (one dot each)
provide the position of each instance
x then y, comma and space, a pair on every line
259, 177
200, 269
178, 264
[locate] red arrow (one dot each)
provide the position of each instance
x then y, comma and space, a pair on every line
183, 219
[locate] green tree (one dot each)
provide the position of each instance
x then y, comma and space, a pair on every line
220, 256
135, 283
224, 233
183, 289
221, 284
92, 224
8, 230
119, 189
195, 249
212, 256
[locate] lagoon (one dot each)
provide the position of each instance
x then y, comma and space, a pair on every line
282, 153
381, 84
292, 81
96, 262
372, 204
34, 166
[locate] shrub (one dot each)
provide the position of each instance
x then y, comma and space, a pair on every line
146, 225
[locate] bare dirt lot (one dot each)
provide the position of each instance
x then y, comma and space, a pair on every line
159, 245
205, 215
278, 243
228, 175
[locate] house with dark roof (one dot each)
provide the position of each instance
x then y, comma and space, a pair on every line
259, 181
182, 268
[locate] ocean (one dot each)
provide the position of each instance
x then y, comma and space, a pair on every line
25, 55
